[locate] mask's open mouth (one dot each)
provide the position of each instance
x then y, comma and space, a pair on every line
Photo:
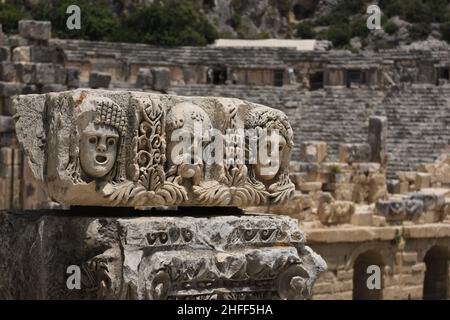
100, 159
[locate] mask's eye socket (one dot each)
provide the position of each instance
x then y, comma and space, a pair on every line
111, 141
93, 140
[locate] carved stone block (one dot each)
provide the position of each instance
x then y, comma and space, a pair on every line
414, 209
331, 212
392, 210
115, 148
163, 257
99, 80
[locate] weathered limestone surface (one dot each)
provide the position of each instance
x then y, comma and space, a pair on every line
128, 256
115, 148
35, 30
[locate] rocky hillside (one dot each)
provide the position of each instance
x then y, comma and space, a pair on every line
341, 21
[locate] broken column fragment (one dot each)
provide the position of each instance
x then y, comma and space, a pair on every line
377, 138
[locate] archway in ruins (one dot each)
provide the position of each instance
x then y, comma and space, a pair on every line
361, 290
436, 281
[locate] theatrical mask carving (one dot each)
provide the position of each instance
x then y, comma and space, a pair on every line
100, 128
98, 147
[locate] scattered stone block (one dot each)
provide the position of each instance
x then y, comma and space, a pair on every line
47, 54
407, 176
35, 30
298, 178
4, 54
7, 71
99, 80
144, 78
366, 168
377, 187
6, 124
354, 152
8, 89
378, 221
161, 79
44, 73
25, 72
344, 191
423, 180
17, 41
313, 151
73, 78
404, 187
30, 88
331, 212
60, 74
21, 54
393, 186
362, 219
312, 170
310, 186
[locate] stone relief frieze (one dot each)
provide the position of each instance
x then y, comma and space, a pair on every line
114, 148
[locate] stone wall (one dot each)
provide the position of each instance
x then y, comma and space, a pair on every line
399, 251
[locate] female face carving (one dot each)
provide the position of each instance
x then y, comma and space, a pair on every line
98, 149
269, 170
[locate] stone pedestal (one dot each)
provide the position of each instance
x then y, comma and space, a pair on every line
124, 254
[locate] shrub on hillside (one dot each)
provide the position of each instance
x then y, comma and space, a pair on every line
419, 31
390, 27
305, 30
339, 34
417, 11
176, 24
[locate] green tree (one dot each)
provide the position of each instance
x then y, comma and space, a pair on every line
10, 16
